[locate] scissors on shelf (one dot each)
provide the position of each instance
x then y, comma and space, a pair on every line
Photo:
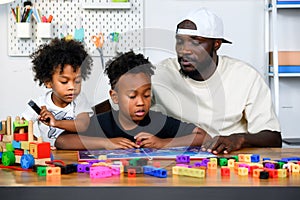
98, 41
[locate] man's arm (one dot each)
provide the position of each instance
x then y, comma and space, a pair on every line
226, 144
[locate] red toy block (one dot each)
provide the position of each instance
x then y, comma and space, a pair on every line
225, 171
19, 152
131, 172
40, 150
273, 173
252, 167
21, 136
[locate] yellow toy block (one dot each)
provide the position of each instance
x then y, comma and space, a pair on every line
247, 158
295, 168
102, 157
243, 171
230, 163
213, 160
282, 173
198, 173
175, 170
24, 145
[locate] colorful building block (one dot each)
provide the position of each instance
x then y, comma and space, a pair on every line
225, 171
40, 149
182, 159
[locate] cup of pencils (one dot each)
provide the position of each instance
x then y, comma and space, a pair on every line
23, 30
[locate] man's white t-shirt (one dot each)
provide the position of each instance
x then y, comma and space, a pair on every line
49, 134
235, 99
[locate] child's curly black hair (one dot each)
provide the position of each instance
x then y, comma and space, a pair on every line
58, 53
128, 62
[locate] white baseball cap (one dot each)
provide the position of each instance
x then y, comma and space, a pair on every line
208, 25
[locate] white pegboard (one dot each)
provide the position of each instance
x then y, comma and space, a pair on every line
127, 22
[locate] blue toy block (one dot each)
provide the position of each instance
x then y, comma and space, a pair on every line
161, 173
255, 158
264, 159
16, 144
149, 170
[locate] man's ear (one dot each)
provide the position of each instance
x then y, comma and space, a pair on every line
217, 44
114, 96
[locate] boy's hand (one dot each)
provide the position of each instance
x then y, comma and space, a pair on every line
120, 143
47, 117
148, 140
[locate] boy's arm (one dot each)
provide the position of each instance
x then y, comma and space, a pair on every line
80, 124
196, 138
74, 141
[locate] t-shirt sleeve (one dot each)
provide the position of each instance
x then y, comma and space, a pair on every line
175, 128
259, 111
83, 105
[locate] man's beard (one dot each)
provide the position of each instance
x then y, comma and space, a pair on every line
196, 74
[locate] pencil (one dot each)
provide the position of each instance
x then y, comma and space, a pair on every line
14, 14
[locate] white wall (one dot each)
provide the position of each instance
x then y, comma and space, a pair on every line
243, 23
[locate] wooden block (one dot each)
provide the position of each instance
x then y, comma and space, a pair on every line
286, 58
25, 145
7, 138
41, 161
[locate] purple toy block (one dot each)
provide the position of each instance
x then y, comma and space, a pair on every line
83, 168
197, 164
182, 159
270, 166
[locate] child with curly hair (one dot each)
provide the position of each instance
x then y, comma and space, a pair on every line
60, 66
131, 124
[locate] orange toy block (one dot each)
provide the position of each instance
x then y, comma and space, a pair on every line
40, 150
53, 171
212, 165
256, 172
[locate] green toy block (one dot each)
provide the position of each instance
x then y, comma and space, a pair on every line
17, 126
41, 170
223, 161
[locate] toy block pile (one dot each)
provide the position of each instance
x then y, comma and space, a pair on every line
18, 146
106, 168
242, 165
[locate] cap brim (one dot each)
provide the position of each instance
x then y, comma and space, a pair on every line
226, 41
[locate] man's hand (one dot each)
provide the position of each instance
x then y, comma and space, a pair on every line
224, 144
120, 143
148, 140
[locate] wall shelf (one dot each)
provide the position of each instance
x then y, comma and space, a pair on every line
106, 6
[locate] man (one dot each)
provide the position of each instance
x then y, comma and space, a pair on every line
224, 96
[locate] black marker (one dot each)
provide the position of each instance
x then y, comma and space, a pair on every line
36, 108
